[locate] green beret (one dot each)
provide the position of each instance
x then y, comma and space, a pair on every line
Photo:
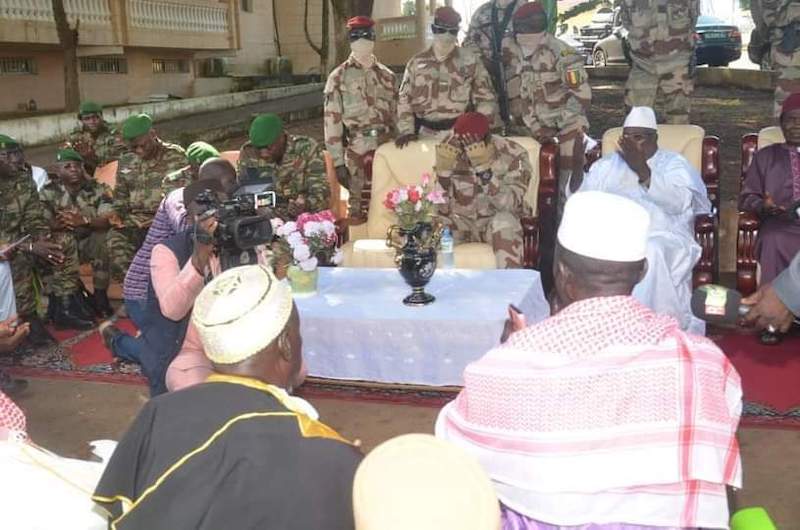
136, 126
67, 155
89, 107
6, 142
199, 152
265, 130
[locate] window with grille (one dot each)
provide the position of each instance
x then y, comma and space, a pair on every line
104, 65
170, 66
17, 66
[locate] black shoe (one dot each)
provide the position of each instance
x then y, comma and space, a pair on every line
101, 304
67, 316
52, 307
770, 338
38, 336
82, 305
10, 386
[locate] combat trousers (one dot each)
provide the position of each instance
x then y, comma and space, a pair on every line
502, 230
91, 248
22, 273
671, 76
787, 66
122, 244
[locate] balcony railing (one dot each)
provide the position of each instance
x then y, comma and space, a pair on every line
91, 12
151, 14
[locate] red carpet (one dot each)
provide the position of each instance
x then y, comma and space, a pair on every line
91, 350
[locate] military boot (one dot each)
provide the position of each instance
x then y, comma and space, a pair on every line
66, 315
101, 304
38, 336
82, 304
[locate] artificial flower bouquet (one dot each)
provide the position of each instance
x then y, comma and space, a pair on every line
414, 204
311, 240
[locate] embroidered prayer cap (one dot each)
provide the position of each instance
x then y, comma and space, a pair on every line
241, 312
265, 130
6, 142
136, 126
360, 23
199, 152
528, 10
791, 103
472, 123
89, 107
642, 117
604, 226
420, 482
447, 17
68, 155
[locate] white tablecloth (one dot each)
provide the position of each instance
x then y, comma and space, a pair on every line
356, 326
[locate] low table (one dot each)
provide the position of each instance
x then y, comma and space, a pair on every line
356, 326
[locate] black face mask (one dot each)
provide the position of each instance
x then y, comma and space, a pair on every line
365, 33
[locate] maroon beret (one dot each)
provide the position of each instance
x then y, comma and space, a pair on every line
791, 103
472, 123
448, 17
528, 10
360, 23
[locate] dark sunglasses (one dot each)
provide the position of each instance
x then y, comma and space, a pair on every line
358, 34
439, 30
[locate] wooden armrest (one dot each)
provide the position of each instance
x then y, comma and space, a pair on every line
530, 242
705, 231
711, 168
746, 262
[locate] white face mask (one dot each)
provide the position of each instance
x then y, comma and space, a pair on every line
362, 50
530, 41
443, 44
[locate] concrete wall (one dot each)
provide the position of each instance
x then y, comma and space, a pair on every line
293, 40
257, 36
43, 130
45, 87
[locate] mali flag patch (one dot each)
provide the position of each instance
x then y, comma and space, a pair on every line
574, 78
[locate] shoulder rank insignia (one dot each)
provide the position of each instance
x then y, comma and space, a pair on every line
574, 78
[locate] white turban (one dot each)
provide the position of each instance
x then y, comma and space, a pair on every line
604, 226
240, 313
643, 117
419, 482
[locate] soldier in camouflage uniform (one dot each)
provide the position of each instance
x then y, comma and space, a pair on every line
660, 34
779, 21
442, 83
77, 210
549, 89
485, 179
96, 141
137, 193
294, 164
360, 110
196, 154
22, 214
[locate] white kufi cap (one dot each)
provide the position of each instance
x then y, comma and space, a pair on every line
604, 226
643, 117
419, 482
240, 313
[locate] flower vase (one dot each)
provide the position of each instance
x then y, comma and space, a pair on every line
416, 249
304, 283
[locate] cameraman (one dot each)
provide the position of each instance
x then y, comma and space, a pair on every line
179, 268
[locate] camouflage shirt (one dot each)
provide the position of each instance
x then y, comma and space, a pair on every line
550, 88
92, 200
444, 90
360, 107
180, 178
470, 196
659, 27
137, 193
481, 31
21, 211
96, 150
301, 173
775, 15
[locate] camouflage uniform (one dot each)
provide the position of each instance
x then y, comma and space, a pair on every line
662, 48
360, 114
21, 213
550, 89
442, 91
180, 178
301, 172
490, 211
97, 150
780, 20
83, 244
137, 195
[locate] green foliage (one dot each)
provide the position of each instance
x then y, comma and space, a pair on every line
409, 8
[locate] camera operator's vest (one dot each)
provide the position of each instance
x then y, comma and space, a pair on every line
161, 336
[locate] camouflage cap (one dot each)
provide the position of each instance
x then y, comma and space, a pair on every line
6, 142
89, 107
265, 130
447, 17
199, 152
68, 155
136, 126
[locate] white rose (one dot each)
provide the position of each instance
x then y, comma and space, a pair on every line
338, 256
295, 239
301, 252
309, 264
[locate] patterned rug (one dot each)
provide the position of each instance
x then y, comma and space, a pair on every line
770, 375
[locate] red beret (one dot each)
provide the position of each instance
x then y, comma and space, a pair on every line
528, 10
447, 16
791, 103
472, 123
360, 22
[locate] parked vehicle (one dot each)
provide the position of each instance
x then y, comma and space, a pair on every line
599, 28
716, 43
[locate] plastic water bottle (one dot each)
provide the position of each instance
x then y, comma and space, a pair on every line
447, 249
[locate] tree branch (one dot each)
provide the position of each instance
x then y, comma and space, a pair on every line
314, 47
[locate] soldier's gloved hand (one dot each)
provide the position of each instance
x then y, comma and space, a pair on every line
446, 156
48, 251
343, 176
405, 139
480, 154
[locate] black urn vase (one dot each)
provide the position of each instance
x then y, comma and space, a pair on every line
416, 259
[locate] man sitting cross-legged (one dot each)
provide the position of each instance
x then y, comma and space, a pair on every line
606, 414
237, 451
